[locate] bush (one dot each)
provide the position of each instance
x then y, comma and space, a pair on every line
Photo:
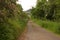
11, 29
12, 23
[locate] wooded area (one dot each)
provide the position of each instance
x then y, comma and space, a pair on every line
47, 14
47, 10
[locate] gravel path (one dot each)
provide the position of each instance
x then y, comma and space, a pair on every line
35, 32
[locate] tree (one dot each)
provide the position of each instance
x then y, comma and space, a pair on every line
47, 9
39, 11
53, 11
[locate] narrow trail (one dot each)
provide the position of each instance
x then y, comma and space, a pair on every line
34, 32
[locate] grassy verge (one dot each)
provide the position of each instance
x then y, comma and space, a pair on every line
12, 28
52, 26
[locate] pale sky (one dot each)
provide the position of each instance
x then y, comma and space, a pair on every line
27, 4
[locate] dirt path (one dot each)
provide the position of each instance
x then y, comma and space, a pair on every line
34, 32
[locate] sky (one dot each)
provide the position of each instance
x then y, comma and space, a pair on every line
27, 4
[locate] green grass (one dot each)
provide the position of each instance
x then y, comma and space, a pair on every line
11, 29
52, 26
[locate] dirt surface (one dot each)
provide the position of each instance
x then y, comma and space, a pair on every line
35, 32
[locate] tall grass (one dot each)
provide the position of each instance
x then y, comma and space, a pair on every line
50, 25
12, 28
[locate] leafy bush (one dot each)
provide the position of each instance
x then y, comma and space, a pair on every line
12, 23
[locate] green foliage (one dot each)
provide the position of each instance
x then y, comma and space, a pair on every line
47, 14
12, 20
46, 9
39, 11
